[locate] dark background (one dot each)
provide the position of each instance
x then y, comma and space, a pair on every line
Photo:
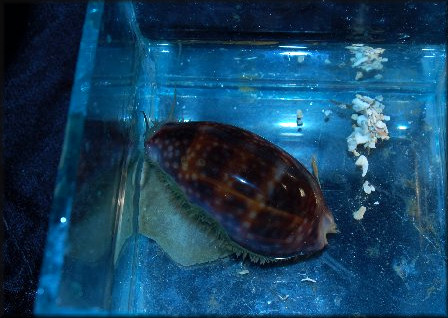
41, 47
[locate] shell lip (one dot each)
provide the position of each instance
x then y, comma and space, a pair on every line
327, 226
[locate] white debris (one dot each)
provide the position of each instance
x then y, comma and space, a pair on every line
300, 58
243, 272
366, 59
299, 117
368, 188
307, 279
327, 113
369, 126
327, 61
361, 120
380, 124
361, 103
363, 163
359, 75
359, 215
370, 122
376, 203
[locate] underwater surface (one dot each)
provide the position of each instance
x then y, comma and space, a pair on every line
132, 251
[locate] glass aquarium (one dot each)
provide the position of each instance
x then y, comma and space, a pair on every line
353, 90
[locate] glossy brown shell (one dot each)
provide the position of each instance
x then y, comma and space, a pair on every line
263, 198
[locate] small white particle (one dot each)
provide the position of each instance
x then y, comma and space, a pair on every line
376, 203
359, 215
363, 163
307, 279
367, 187
327, 112
243, 272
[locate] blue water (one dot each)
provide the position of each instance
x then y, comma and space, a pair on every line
390, 262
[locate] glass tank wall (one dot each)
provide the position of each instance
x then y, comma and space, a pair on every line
358, 86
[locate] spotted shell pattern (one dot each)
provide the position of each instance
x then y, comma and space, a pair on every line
265, 200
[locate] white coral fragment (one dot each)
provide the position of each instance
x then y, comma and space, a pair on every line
359, 215
366, 58
363, 163
367, 187
370, 122
359, 104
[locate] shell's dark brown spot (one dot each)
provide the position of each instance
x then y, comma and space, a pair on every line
263, 198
